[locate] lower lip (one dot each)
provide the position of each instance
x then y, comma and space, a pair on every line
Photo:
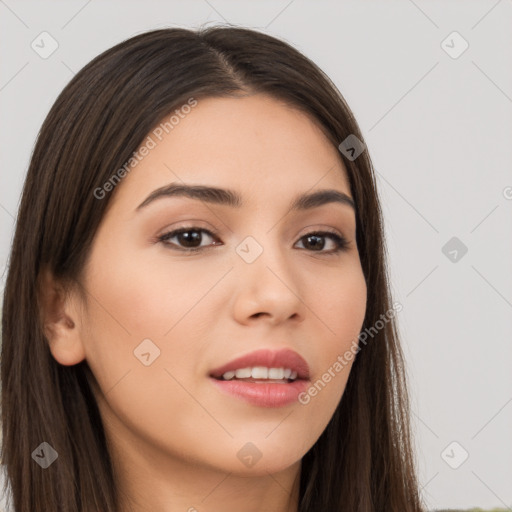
263, 394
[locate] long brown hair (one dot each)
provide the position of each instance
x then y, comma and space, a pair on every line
363, 461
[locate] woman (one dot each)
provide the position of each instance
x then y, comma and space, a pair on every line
196, 314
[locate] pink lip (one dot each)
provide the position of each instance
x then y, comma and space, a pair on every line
263, 394
284, 358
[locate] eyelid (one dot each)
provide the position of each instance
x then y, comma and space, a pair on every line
191, 225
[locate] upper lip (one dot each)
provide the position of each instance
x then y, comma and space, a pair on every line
284, 358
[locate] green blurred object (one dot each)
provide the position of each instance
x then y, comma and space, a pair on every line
473, 510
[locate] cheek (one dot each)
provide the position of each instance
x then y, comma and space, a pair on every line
142, 298
147, 293
342, 306
147, 313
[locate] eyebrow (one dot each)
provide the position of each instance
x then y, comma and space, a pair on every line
231, 198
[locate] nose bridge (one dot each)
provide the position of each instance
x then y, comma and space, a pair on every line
264, 255
265, 277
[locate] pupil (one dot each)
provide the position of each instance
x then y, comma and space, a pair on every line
189, 237
319, 241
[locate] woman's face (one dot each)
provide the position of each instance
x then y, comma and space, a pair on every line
160, 319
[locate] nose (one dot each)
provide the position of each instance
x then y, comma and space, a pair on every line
267, 290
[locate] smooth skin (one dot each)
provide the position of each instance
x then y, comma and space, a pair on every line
175, 437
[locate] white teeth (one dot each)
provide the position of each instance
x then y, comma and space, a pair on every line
261, 372
276, 373
243, 373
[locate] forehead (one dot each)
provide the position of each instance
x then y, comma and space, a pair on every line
257, 145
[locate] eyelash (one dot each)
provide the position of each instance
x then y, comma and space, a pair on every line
340, 241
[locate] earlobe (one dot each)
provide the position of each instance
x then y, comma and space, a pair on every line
60, 321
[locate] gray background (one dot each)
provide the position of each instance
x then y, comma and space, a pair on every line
439, 131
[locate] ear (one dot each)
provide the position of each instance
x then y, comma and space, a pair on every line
60, 320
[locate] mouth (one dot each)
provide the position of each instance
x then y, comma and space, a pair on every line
264, 378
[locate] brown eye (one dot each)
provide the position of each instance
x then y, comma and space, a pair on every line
315, 242
187, 239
